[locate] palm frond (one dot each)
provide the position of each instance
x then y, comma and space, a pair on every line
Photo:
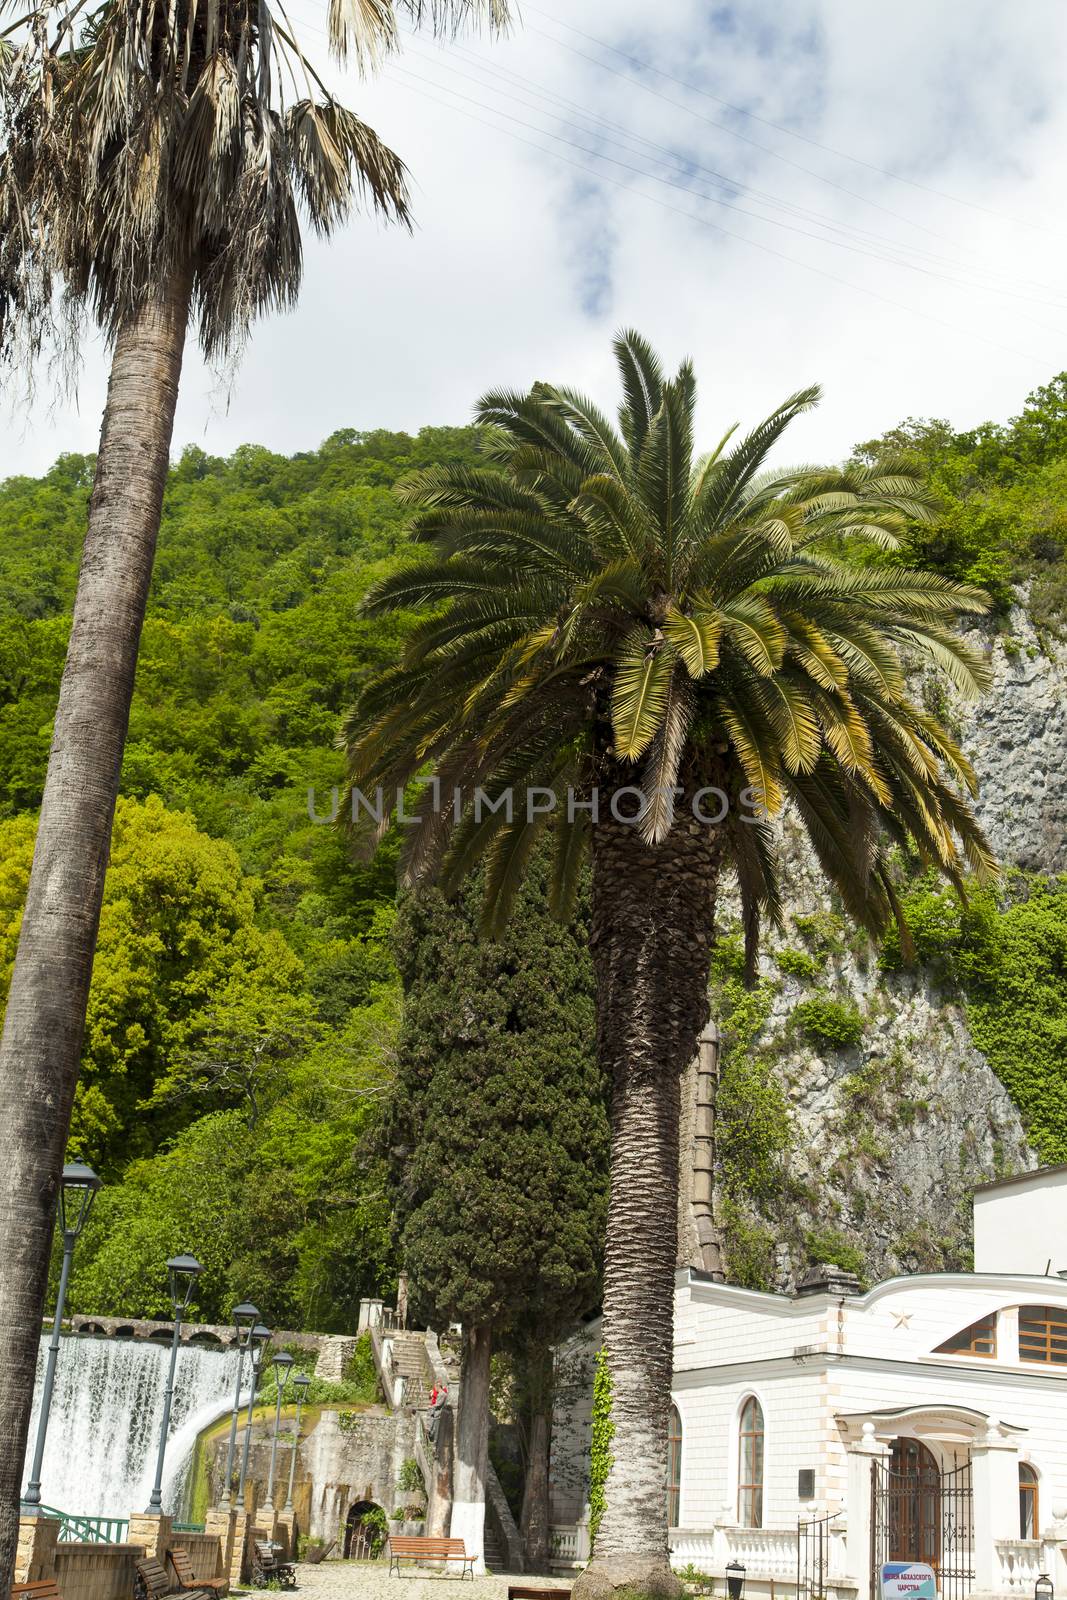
660, 776
695, 637
642, 381
639, 693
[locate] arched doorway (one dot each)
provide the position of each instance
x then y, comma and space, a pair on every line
366, 1531
914, 1484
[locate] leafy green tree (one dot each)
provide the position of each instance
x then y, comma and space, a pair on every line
289, 1213
181, 961
608, 611
497, 1130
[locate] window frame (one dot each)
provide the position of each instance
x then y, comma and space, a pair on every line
982, 1328
1053, 1319
751, 1463
674, 1466
1029, 1490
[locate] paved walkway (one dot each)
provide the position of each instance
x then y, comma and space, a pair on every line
370, 1580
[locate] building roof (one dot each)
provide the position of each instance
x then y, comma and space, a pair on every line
1020, 1177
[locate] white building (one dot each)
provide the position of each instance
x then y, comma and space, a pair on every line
816, 1436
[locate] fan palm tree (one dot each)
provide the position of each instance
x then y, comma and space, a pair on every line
157, 161
653, 654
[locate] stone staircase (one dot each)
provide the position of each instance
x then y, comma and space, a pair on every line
412, 1363
410, 1359
494, 1558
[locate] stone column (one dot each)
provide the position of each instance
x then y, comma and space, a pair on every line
1055, 1536
151, 1530
861, 1463
241, 1534
995, 1477
286, 1525
35, 1554
266, 1524
222, 1522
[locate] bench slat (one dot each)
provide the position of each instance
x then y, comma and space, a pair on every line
415, 1547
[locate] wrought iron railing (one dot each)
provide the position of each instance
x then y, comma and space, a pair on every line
89, 1530
187, 1527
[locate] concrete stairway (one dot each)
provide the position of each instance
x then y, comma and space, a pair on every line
494, 1558
411, 1361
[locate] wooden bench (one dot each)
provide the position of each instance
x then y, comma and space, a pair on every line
420, 1547
187, 1581
517, 1592
151, 1583
267, 1568
45, 1589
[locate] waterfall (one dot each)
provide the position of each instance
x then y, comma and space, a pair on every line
107, 1409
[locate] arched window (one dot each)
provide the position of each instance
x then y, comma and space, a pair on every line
1043, 1334
977, 1339
750, 1465
674, 1468
1028, 1518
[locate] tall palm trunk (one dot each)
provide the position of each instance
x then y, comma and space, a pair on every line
45, 1019
651, 936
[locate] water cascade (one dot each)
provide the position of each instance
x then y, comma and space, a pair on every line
107, 1407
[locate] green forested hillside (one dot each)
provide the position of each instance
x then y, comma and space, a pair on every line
244, 995
245, 999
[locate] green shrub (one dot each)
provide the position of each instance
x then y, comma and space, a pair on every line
827, 1245
826, 1021
749, 1246
799, 964
409, 1478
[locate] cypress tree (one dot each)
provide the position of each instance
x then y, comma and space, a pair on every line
498, 1154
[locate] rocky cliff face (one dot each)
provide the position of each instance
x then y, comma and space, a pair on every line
886, 1113
1017, 738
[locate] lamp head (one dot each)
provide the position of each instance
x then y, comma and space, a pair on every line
77, 1191
301, 1385
283, 1365
258, 1339
245, 1317
182, 1273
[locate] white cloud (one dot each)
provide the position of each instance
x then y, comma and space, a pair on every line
524, 261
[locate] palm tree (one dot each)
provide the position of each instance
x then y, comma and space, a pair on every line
615, 624
156, 163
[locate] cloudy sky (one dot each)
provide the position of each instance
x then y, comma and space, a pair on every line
865, 195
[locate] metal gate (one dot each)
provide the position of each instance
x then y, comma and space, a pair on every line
920, 1513
813, 1555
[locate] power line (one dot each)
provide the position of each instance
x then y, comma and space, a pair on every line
843, 155
710, 199
727, 205
704, 222
741, 188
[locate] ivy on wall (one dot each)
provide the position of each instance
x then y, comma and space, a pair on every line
603, 1431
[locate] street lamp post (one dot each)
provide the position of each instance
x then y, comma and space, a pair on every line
245, 1317
301, 1385
77, 1190
283, 1365
183, 1272
258, 1338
